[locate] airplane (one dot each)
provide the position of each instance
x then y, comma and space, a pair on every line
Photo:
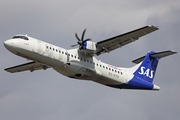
80, 63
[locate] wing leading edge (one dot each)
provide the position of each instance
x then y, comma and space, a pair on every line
27, 66
124, 39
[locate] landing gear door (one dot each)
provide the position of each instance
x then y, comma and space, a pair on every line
82, 70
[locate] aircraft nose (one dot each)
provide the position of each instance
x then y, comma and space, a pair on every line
8, 43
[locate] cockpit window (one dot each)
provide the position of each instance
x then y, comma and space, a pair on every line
21, 37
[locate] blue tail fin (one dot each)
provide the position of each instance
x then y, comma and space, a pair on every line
147, 68
144, 72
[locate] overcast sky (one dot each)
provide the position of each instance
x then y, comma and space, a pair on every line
48, 95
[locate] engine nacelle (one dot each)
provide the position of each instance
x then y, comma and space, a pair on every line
89, 45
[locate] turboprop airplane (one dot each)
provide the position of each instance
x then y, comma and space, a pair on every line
80, 63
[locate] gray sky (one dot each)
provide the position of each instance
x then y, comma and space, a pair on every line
44, 95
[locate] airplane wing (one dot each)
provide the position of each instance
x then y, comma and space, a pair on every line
27, 66
124, 39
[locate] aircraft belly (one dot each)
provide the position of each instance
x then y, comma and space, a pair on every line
78, 71
105, 81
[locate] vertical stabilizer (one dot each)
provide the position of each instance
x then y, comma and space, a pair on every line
147, 68
145, 71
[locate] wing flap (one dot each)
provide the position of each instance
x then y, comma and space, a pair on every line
27, 66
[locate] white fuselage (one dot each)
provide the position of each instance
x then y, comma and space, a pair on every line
71, 63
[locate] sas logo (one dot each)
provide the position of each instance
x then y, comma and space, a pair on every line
148, 72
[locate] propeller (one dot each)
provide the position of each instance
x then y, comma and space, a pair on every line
81, 41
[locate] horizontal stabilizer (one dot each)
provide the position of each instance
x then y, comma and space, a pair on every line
156, 55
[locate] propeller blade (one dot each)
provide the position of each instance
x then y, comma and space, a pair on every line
77, 37
74, 45
89, 39
82, 38
81, 41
